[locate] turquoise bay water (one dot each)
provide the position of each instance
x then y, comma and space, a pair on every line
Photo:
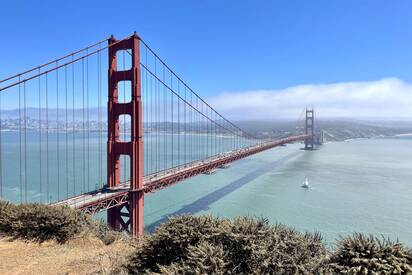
357, 186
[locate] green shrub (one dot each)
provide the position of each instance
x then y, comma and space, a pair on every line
8, 216
39, 222
360, 254
193, 245
170, 242
203, 258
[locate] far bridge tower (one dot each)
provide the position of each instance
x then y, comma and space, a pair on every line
310, 129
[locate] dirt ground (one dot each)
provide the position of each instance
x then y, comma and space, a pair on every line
78, 256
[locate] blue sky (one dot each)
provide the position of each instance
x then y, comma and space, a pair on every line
225, 46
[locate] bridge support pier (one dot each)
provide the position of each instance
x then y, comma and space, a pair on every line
310, 129
134, 147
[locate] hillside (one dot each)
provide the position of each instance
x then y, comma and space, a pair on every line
343, 130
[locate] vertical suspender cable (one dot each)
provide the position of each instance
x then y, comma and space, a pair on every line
171, 109
57, 134
47, 140
220, 140
214, 135
199, 123
144, 102
207, 129
124, 116
99, 114
202, 131
151, 126
184, 128
20, 149
192, 129
74, 132
164, 119
155, 117
158, 119
178, 125
153, 92
25, 142
40, 144
146, 115
88, 121
207, 122
210, 133
83, 131
207, 125
199, 128
206, 112
66, 133
234, 139
1, 155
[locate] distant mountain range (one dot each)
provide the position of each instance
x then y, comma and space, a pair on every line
33, 113
334, 129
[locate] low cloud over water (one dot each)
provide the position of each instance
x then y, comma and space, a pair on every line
385, 98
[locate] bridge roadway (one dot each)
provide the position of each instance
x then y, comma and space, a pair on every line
105, 198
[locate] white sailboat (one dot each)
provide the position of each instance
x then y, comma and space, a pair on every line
305, 183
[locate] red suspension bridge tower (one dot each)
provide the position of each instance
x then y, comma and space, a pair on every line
132, 148
310, 129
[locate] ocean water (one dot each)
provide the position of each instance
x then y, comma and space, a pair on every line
361, 185
356, 186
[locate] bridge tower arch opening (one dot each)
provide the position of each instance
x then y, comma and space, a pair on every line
310, 129
132, 218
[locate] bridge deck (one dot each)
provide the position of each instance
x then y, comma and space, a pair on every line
105, 198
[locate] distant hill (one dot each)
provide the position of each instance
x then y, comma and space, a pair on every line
33, 113
334, 129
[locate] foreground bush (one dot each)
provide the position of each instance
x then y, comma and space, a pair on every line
41, 222
207, 245
360, 254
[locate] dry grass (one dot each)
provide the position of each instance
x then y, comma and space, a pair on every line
85, 255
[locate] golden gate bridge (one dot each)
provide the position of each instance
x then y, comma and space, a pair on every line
54, 137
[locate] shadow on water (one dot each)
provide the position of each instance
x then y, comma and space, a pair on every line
204, 202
